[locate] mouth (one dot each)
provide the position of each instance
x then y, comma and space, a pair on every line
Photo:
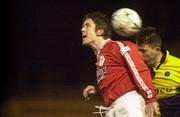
84, 36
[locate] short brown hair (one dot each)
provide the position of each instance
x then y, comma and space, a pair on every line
101, 21
148, 36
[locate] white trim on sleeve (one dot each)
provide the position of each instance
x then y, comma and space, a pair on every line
124, 51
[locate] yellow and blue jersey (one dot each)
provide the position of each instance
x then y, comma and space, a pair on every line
167, 77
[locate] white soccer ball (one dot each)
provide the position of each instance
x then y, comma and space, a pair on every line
126, 22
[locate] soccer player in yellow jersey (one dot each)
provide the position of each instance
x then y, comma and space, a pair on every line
165, 70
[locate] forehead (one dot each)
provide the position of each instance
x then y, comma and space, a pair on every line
88, 22
144, 46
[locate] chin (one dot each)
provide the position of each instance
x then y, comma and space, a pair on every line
84, 43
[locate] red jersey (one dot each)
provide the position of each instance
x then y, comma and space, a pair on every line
117, 75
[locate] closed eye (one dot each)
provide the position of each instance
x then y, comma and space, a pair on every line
142, 50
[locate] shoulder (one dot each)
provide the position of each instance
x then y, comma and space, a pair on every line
171, 60
112, 45
129, 43
115, 44
133, 47
126, 43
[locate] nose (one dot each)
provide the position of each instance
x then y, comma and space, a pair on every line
82, 29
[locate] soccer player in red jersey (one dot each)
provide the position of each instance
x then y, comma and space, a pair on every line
123, 79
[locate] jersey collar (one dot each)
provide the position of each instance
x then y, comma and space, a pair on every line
164, 58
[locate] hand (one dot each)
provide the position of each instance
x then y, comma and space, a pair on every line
152, 109
90, 89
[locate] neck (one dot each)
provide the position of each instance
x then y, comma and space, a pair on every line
96, 45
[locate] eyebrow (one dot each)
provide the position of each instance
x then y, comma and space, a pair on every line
87, 24
141, 49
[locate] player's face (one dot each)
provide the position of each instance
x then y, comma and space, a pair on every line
149, 54
88, 32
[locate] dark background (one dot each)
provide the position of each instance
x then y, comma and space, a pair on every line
47, 65
45, 55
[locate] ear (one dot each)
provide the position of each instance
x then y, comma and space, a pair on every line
100, 32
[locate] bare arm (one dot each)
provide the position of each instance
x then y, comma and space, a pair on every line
90, 89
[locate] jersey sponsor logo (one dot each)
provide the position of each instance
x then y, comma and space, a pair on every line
164, 90
101, 60
100, 73
167, 73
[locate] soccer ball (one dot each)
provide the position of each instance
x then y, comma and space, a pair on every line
126, 22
